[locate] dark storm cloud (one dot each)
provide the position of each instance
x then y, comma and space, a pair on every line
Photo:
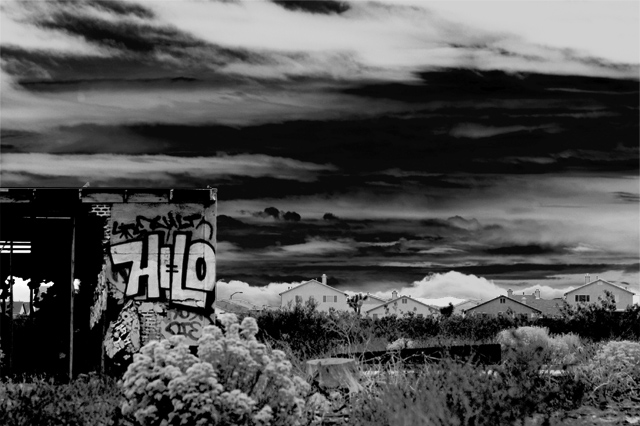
262, 234
407, 142
274, 213
122, 8
318, 6
530, 249
132, 36
628, 197
53, 72
368, 277
455, 83
330, 217
135, 37
135, 47
475, 131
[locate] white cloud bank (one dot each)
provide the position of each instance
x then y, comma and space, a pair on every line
440, 289
373, 39
451, 284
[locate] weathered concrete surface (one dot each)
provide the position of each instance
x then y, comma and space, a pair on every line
160, 263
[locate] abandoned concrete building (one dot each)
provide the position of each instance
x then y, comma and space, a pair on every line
143, 262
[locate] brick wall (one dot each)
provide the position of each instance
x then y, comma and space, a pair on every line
103, 211
151, 315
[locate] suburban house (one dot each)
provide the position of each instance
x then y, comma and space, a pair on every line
400, 305
504, 305
548, 307
326, 296
462, 307
372, 301
592, 290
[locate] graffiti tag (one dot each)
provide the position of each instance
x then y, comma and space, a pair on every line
184, 270
184, 323
169, 222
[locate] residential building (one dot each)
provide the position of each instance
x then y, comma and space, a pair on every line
372, 301
592, 290
400, 305
462, 307
504, 305
548, 307
325, 296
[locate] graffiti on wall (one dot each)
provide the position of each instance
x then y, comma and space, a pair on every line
188, 324
124, 333
163, 252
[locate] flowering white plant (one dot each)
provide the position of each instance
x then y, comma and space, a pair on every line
233, 380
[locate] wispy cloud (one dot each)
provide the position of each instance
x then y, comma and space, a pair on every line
179, 103
102, 167
476, 131
317, 246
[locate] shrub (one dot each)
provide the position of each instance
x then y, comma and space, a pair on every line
454, 393
566, 348
233, 380
600, 321
400, 344
88, 400
614, 371
559, 349
289, 329
522, 337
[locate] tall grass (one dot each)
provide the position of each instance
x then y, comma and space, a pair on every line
88, 400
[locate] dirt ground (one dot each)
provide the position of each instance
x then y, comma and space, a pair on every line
614, 414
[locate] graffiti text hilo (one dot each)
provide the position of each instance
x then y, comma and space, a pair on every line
182, 272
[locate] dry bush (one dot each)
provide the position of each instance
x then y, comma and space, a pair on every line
614, 371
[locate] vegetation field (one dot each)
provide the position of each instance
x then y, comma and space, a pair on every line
582, 368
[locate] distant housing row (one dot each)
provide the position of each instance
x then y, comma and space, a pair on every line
529, 305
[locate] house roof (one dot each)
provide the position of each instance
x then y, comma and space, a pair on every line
506, 297
464, 302
595, 281
380, 299
315, 282
403, 297
547, 306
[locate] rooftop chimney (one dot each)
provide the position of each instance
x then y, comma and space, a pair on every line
524, 300
509, 293
536, 293
586, 279
324, 279
394, 294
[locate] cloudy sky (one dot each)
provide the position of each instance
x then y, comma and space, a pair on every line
443, 148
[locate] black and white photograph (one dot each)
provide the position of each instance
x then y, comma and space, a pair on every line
323, 212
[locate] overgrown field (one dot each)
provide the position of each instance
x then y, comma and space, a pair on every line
251, 371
